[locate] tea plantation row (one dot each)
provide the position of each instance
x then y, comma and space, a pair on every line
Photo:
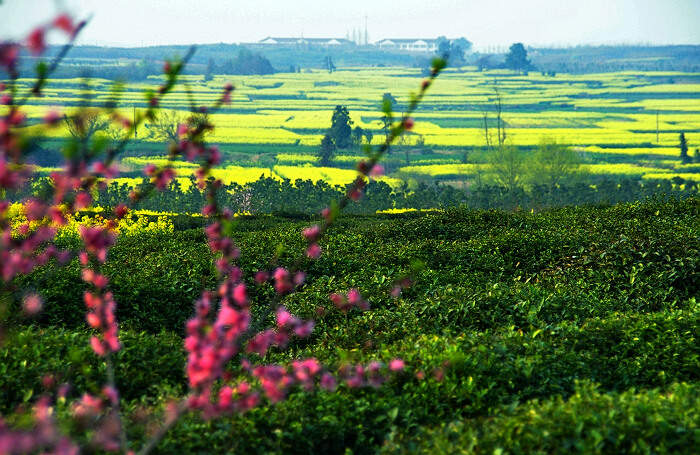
569, 330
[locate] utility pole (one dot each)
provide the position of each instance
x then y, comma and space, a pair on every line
366, 32
657, 126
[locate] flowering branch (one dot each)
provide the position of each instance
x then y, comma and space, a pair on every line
223, 326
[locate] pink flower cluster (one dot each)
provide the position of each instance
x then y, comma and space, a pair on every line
353, 299
101, 316
223, 326
36, 41
43, 437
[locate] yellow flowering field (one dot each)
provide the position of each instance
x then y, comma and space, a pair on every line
605, 116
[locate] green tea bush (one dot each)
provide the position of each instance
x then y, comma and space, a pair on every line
588, 422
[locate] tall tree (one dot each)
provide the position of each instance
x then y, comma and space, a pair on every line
211, 68
165, 126
85, 124
516, 58
684, 149
508, 166
357, 134
453, 50
327, 150
369, 136
554, 162
249, 63
341, 127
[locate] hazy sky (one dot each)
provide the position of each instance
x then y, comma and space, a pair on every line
484, 22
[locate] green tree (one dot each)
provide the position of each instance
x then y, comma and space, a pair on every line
369, 135
85, 124
341, 127
327, 150
554, 162
684, 149
357, 134
508, 166
165, 126
249, 63
516, 58
453, 50
211, 67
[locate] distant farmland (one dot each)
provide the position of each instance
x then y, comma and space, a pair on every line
610, 118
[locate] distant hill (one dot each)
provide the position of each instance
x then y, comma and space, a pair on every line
139, 63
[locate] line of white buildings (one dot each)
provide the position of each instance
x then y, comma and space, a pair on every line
390, 44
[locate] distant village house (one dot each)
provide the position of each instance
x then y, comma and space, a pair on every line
311, 41
408, 45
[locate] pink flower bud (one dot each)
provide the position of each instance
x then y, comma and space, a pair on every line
408, 124
240, 295
396, 365
328, 382
52, 117
32, 304
261, 277
312, 233
120, 211
327, 214
313, 251
97, 346
377, 171
64, 22
36, 41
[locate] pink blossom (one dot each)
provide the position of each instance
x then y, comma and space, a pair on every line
327, 214
111, 393
32, 304
283, 284
355, 194
313, 251
83, 200
97, 346
354, 297
304, 329
396, 365
87, 406
261, 342
52, 117
36, 41
377, 171
328, 382
299, 278
97, 240
240, 295
120, 211
8, 55
312, 233
93, 320
64, 22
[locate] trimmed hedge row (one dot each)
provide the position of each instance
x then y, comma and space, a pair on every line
472, 375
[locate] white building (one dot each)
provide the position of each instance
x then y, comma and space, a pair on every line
311, 41
409, 45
